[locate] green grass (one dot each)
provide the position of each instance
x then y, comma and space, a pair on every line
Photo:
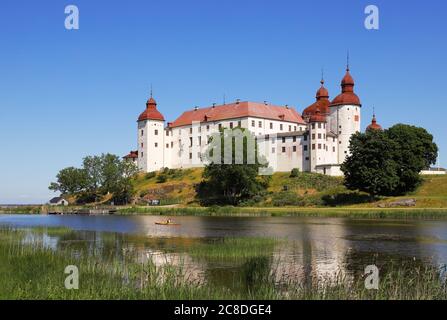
368, 213
233, 248
35, 272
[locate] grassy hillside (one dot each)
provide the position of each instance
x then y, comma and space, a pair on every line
305, 190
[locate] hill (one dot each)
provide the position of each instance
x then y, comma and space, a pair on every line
176, 186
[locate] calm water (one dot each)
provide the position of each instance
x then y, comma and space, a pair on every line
311, 246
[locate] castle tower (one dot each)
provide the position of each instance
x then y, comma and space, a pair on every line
317, 134
345, 115
374, 125
150, 138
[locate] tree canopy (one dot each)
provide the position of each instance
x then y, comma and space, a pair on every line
232, 174
389, 162
99, 175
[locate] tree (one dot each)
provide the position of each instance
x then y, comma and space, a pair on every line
416, 151
389, 162
371, 167
231, 176
70, 180
99, 175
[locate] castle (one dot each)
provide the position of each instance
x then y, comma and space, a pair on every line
316, 141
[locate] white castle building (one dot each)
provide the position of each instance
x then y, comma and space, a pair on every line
316, 141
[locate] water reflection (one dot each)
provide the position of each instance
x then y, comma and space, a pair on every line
310, 248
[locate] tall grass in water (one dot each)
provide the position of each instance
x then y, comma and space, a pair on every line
35, 272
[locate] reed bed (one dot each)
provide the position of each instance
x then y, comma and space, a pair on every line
36, 272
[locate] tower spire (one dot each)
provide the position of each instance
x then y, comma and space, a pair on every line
151, 90
322, 76
347, 61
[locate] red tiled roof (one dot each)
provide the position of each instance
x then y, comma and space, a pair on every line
347, 96
374, 125
151, 112
322, 103
238, 110
132, 155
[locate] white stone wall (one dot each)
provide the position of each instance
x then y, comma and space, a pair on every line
345, 120
317, 134
150, 145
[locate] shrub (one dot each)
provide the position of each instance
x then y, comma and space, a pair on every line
161, 178
295, 172
150, 175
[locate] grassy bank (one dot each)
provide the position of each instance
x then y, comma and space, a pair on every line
373, 213
35, 272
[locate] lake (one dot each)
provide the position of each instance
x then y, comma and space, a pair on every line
306, 247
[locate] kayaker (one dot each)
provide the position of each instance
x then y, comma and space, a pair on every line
169, 221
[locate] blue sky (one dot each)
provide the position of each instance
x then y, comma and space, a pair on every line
67, 94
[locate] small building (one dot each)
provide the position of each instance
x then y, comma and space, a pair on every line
434, 171
132, 157
58, 201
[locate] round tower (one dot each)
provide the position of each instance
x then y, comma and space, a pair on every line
150, 138
345, 115
374, 125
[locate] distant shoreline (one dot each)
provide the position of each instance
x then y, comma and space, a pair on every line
225, 211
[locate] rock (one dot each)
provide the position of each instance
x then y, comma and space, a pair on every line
398, 203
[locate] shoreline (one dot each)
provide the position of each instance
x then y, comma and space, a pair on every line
336, 212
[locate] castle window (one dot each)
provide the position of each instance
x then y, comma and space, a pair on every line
294, 128
305, 137
190, 130
207, 127
260, 124
307, 158
239, 123
271, 125
283, 149
305, 148
333, 149
290, 128
273, 150
142, 154
142, 144
319, 136
280, 127
172, 144
190, 141
167, 145
190, 155
319, 125
156, 132
313, 125
339, 142
231, 125
252, 123
313, 136
319, 146
294, 148
313, 146
142, 132
333, 139
220, 126
294, 138
156, 145
200, 140
283, 139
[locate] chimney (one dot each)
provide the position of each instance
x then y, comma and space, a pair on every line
287, 106
265, 102
214, 104
196, 108
238, 100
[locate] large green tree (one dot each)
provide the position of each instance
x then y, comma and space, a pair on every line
232, 174
70, 180
99, 175
389, 162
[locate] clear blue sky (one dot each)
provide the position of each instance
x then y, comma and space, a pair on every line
68, 94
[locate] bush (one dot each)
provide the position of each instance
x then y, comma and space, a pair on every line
150, 175
295, 172
161, 178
